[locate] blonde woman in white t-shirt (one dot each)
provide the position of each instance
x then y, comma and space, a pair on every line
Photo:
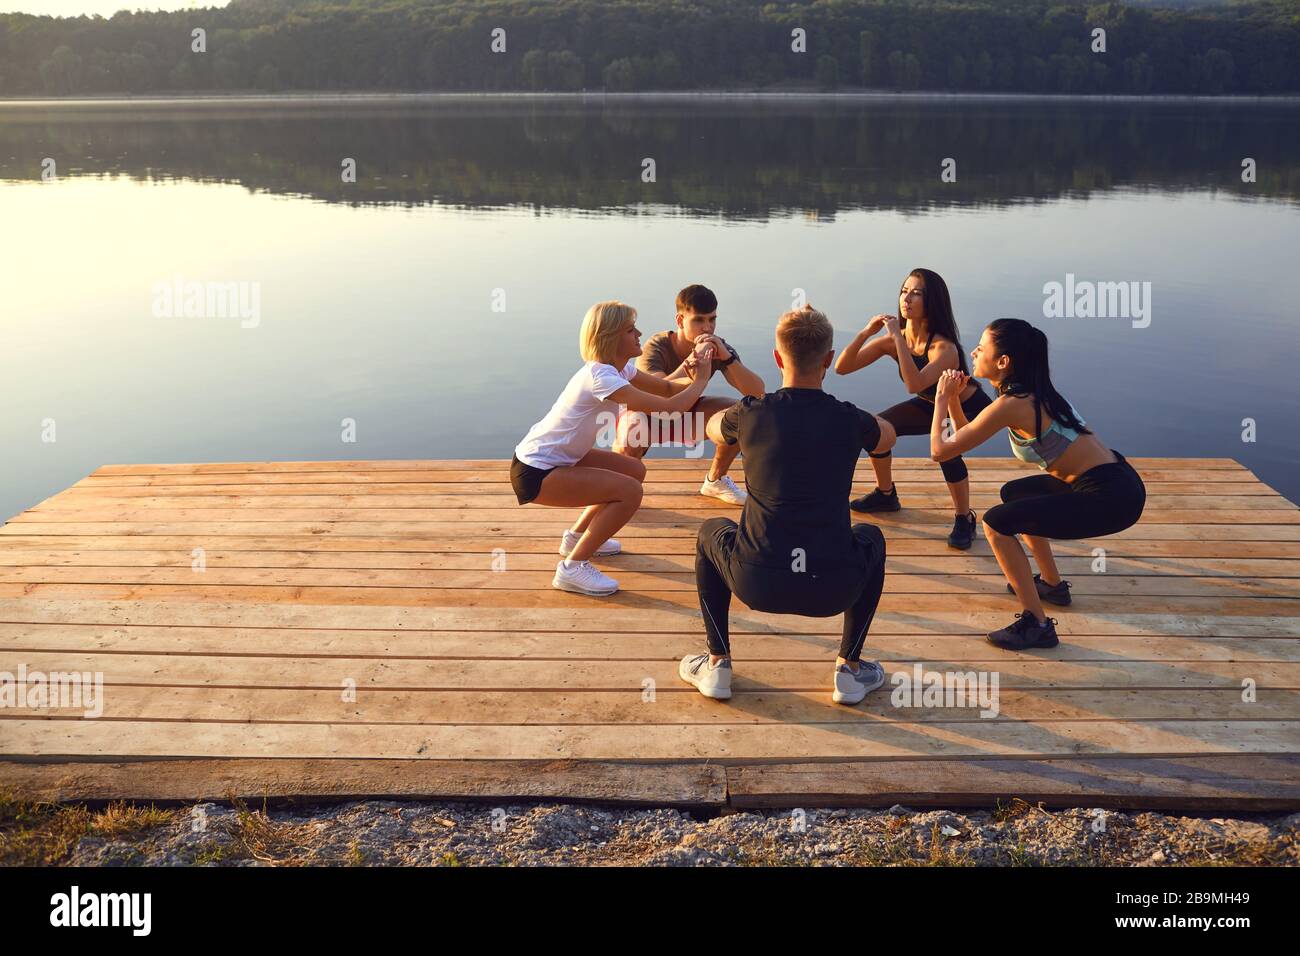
557, 463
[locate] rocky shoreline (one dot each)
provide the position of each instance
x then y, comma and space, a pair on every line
423, 833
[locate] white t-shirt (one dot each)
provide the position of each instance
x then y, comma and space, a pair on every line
569, 429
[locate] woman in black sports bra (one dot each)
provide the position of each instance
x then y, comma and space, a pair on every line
925, 322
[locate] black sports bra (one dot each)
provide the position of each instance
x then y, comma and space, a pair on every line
922, 361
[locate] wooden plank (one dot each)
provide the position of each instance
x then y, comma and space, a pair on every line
618, 619
669, 743
1175, 552
337, 673
552, 523
693, 786
285, 507
476, 483
647, 602
949, 563
1225, 784
478, 464
494, 645
458, 508
679, 704
485, 578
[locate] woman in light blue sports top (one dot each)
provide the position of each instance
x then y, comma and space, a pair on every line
1087, 490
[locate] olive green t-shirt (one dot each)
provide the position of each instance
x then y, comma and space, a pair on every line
659, 359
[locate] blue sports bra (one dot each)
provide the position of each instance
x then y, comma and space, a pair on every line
1048, 446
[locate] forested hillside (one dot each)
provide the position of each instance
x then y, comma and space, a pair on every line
965, 45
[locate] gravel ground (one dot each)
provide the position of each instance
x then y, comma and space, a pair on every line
460, 834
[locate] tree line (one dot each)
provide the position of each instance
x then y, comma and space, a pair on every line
566, 45
742, 160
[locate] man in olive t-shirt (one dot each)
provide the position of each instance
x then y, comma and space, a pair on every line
670, 355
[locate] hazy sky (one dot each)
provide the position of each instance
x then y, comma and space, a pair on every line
105, 8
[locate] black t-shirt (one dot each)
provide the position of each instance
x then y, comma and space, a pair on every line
801, 446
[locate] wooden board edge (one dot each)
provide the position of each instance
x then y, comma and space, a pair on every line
1244, 783
321, 780
1237, 783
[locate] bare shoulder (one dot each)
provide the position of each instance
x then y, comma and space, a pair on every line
1016, 410
943, 349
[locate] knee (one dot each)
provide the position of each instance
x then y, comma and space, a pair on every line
954, 470
995, 524
631, 492
712, 526
709, 531
638, 470
870, 534
872, 541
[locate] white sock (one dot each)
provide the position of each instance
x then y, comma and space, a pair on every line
570, 563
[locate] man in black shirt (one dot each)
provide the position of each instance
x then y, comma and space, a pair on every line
795, 550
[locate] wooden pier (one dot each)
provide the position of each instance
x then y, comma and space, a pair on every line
371, 628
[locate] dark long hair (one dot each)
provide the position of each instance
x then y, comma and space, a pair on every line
1026, 346
938, 311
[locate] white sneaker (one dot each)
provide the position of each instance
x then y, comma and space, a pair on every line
581, 577
724, 489
850, 688
712, 680
570, 541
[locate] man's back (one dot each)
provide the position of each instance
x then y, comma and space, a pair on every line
800, 448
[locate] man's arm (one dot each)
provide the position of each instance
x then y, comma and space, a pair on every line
742, 379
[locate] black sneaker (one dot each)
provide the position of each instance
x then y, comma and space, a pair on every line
963, 532
1058, 593
877, 501
1025, 632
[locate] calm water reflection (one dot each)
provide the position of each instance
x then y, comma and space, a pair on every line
376, 297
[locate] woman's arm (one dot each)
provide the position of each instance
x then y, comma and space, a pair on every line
987, 423
955, 411
860, 352
918, 380
663, 387
637, 400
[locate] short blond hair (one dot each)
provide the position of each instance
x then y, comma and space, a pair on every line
805, 336
601, 327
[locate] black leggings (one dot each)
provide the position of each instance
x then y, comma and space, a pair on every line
915, 417
718, 574
1103, 500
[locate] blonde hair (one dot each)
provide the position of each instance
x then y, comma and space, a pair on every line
601, 327
804, 336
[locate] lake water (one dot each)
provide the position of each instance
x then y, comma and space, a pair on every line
375, 299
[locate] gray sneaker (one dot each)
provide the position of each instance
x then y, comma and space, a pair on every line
711, 680
851, 688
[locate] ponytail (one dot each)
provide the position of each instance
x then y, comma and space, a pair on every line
1030, 376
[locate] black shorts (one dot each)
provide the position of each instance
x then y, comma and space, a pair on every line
526, 480
914, 417
1103, 500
